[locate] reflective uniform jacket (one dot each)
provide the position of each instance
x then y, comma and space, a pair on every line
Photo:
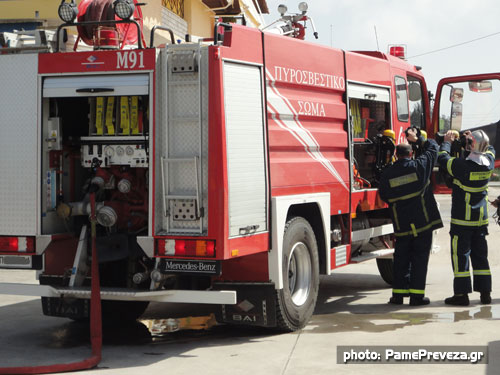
470, 187
405, 186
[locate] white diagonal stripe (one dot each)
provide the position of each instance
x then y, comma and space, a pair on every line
287, 118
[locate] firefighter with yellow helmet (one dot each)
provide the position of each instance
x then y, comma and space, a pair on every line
469, 214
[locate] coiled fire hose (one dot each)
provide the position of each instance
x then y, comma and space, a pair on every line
95, 319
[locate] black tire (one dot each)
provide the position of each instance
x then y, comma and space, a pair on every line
297, 300
385, 268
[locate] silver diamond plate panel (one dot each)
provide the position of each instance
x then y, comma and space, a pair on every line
18, 144
178, 136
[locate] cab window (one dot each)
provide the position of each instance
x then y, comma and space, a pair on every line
416, 102
401, 99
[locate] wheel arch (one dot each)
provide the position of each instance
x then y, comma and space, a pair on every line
315, 208
312, 213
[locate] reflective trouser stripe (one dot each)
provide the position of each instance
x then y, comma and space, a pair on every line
454, 245
462, 274
417, 291
400, 291
481, 272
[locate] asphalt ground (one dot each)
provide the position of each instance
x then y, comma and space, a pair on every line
352, 310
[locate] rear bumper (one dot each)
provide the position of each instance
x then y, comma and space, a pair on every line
227, 297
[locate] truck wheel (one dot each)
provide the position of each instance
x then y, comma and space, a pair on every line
297, 299
385, 267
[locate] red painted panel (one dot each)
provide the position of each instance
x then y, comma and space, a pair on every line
96, 61
217, 166
248, 268
368, 69
59, 255
247, 245
244, 44
306, 116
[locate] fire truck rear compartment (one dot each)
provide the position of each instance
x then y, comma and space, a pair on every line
94, 142
109, 155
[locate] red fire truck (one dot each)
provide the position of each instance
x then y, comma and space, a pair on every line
232, 172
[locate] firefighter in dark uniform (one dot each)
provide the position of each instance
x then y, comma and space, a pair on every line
405, 186
469, 214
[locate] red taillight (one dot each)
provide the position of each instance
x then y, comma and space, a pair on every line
186, 248
17, 244
398, 51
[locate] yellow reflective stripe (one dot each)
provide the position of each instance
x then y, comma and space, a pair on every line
424, 209
428, 226
481, 272
470, 223
409, 196
417, 291
413, 230
395, 216
462, 274
400, 291
448, 165
478, 176
481, 212
467, 206
442, 152
491, 153
454, 247
470, 189
403, 180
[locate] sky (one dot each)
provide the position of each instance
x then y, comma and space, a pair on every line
422, 25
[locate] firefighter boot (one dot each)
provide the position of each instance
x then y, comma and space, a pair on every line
419, 301
458, 300
485, 298
396, 300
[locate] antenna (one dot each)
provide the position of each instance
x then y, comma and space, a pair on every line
376, 37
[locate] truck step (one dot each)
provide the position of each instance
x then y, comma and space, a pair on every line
371, 255
123, 294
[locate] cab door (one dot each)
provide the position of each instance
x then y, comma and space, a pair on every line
463, 103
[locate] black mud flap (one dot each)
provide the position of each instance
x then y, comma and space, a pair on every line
255, 306
73, 308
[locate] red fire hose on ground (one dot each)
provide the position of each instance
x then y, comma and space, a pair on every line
95, 320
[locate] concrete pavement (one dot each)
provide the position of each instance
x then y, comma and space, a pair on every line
352, 310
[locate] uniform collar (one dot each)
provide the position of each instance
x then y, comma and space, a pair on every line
479, 158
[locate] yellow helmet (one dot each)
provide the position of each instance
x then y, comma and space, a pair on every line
390, 133
423, 133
